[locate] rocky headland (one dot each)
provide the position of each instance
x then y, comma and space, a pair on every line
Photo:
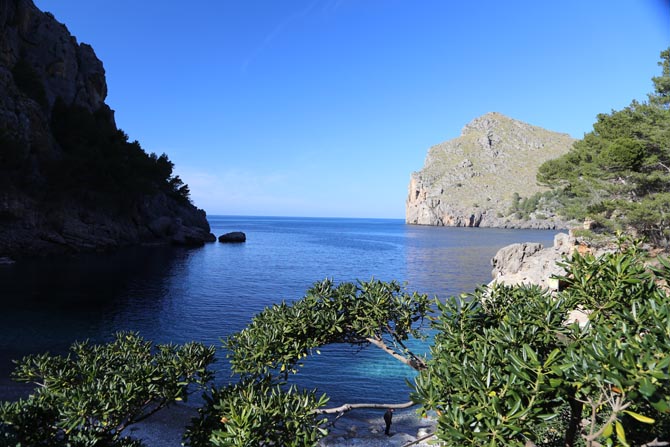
69, 179
472, 180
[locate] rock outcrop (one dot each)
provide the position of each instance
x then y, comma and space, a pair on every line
531, 263
471, 181
44, 70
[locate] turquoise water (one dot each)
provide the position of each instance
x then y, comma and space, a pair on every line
205, 294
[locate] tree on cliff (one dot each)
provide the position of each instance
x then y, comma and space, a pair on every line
618, 174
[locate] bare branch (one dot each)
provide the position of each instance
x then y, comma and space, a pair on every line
664, 166
414, 362
348, 407
656, 443
420, 364
617, 403
423, 438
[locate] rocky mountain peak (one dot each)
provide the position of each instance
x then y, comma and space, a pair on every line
471, 180
488, 122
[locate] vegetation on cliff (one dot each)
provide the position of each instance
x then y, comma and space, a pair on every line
98, 160
618, 175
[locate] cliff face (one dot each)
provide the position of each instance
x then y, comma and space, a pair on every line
471, 181
50, 85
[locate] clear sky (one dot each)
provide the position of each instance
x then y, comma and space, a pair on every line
325, 107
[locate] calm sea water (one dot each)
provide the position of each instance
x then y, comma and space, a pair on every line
205, 294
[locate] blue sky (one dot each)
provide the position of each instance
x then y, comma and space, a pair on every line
324, 108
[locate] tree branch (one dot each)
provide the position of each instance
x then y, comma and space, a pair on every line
420, 364
348, 407
423, 438
664, 166
413, 362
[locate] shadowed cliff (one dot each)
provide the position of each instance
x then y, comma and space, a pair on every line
70, 180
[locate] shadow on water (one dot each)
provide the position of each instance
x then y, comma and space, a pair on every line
49, 303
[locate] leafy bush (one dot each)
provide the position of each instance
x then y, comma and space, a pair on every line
92, 395
507, 368
261, 409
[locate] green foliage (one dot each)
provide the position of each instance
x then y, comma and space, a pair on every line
92, 395
261, 409
621, 155
492, 360
524, 207
98, 159
29, 82
662, 83
620, 167
280, 336
505, 362
258, 411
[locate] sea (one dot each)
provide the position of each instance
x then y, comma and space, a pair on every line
175, 295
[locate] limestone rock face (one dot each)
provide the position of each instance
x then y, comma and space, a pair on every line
42, 64
470, 181
531, 263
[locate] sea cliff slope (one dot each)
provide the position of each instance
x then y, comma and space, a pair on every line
471, 181
69, 179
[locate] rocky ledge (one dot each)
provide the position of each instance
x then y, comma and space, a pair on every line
533, 264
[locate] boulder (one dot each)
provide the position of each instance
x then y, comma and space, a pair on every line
531, 263
233, 237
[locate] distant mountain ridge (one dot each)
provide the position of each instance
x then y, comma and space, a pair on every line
69, 179
471, 181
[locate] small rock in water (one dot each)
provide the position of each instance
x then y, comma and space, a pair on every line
235, 236
4, 260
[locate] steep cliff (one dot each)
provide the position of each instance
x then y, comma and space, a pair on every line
69, 179
471, 181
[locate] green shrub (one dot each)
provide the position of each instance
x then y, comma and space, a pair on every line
92, 395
